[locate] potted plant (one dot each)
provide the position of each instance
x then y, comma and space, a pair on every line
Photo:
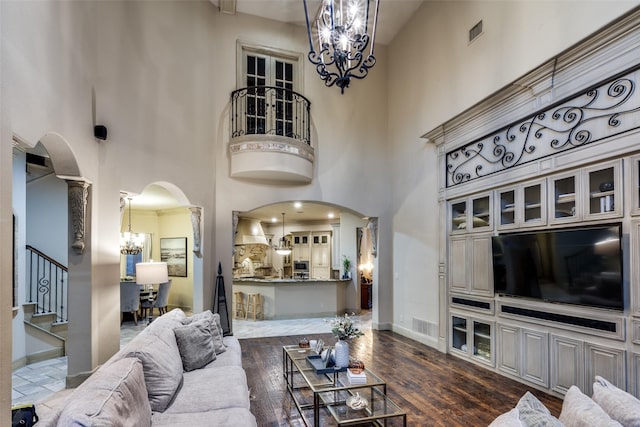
346, 266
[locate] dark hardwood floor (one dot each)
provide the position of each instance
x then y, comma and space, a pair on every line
435, 389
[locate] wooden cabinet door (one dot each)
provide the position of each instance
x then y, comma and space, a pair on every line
567, 363
458, 265
481, 280
508, 349
535, 357
606, 362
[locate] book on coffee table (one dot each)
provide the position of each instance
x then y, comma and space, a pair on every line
354, 378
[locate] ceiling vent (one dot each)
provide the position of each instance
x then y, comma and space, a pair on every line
475, 32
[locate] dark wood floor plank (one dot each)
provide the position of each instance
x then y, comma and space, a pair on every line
435, 389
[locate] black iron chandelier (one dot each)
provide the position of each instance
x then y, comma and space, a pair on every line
338, 38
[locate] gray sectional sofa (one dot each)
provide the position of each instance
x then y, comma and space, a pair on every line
177, 371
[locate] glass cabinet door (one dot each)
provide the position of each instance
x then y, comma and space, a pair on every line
604, 189
507, 208
459, 333
534, 207
459, 216
481, 213
563, 203
482, 340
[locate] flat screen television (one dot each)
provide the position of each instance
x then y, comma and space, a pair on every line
580, 266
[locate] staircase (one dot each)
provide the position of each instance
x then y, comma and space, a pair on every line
45, 312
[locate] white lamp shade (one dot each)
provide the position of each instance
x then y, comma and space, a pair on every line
149, 273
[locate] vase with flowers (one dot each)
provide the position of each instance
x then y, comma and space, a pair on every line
344, 329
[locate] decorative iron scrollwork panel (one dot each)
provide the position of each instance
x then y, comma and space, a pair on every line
607, 110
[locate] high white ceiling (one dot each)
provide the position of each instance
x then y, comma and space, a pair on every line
393, 14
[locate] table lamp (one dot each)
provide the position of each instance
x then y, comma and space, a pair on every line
149, 273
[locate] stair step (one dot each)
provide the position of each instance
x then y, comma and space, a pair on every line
60, 328
41, 318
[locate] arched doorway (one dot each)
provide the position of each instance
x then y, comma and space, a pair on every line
321, 236
172, 229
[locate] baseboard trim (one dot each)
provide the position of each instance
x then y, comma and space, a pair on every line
45, 355
74, 381
423, 339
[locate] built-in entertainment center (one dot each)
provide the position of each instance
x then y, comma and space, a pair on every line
540, 220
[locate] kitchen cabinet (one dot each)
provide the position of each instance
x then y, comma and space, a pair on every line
321, 255
471, 214
470, 265
524, 353
567, 363
522, 206
472, 338
300, 249
591, 193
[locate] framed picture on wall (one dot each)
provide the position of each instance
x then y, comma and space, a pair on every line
173, 251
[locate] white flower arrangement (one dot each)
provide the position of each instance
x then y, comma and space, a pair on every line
343, 327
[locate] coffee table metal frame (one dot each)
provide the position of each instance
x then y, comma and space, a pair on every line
331, 389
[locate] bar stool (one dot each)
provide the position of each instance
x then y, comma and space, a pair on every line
254, 306
239, 301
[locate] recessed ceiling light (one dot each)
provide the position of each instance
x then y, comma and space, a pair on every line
297, 205
330, 215
274, 219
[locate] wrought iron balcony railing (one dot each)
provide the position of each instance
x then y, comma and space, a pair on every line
270, 110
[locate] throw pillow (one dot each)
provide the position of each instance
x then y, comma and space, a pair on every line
216, 319
534, 413
114, 395
508, 419
617, 403
216, 335
578, 410
195, 344
162, 366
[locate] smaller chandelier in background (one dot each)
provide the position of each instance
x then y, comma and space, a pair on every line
131, 243
339, 37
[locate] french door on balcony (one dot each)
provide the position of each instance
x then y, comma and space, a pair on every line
270, 103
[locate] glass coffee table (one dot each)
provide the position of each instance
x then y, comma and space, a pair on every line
331, 389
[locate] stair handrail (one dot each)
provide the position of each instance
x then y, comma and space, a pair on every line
50, 287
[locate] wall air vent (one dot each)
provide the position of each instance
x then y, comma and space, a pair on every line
425, 327
475, 32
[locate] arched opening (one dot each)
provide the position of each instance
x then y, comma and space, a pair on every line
169, 226
310, 282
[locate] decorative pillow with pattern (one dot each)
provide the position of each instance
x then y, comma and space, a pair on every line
508, 419
617, 403
533, 413
578, 410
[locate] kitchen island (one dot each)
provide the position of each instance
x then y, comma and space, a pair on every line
296, 298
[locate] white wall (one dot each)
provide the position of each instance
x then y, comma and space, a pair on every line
20, 211
434, 74
47, 217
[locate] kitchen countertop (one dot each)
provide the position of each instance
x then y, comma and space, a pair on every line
275, 280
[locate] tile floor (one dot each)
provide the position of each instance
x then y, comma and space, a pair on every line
39, 381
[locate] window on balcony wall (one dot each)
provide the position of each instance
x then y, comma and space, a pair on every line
271, 80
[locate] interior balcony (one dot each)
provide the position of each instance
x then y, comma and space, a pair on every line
270, 135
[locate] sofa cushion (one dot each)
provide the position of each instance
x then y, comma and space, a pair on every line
533, 413
195, 344
114, 395
162, 365
210, 389
216, 335
508, 419
228, 417
617, 403
578, 410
